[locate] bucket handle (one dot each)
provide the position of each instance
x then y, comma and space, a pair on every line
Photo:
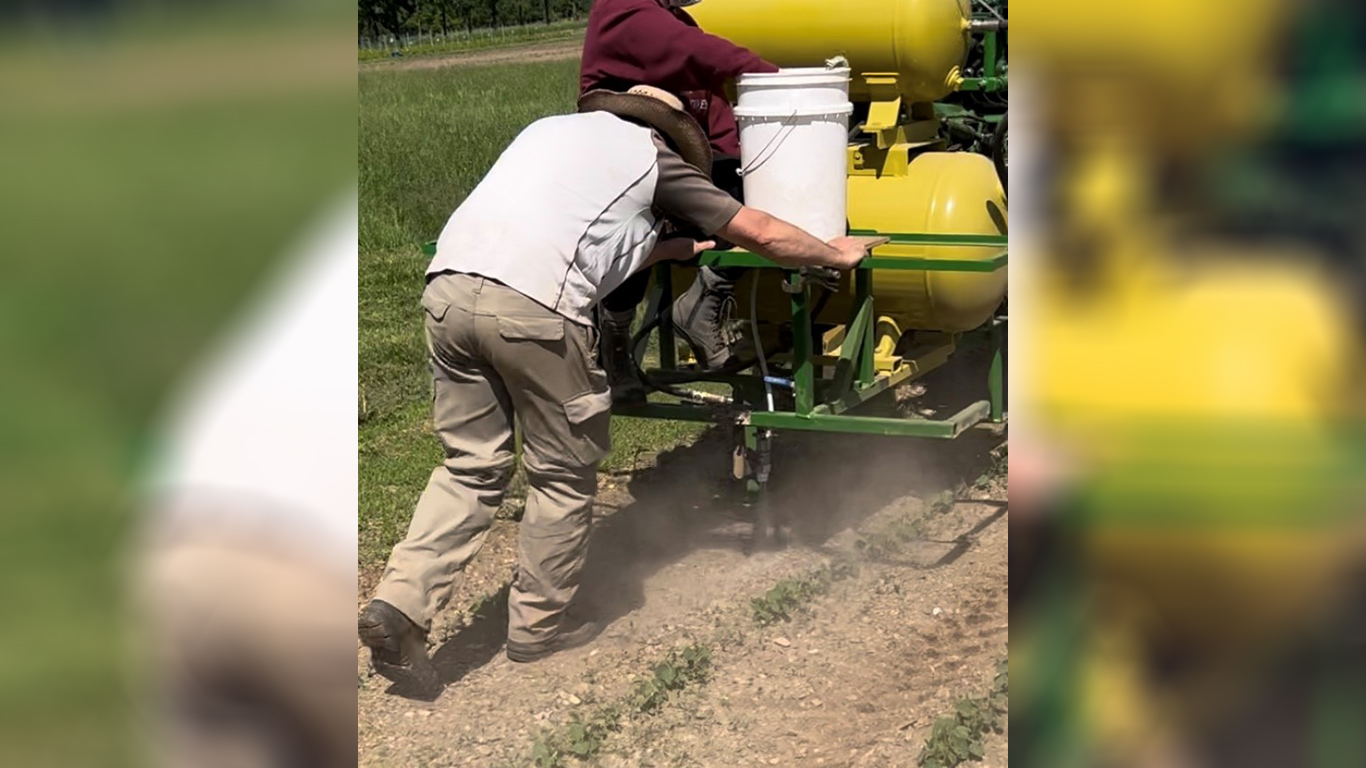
762, 158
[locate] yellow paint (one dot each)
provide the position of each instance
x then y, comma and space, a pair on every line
944, 192
900, 52
922, 41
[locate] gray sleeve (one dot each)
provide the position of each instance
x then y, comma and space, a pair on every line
686, 193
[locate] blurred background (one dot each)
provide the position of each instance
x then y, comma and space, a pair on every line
157, 162
1188, 581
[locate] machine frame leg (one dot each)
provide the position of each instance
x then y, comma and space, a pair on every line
758, 462
996, 374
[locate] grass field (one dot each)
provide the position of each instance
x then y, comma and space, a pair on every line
460, 41
426, 138
136, 221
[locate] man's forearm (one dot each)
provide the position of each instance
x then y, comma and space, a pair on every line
787, 245
661, 252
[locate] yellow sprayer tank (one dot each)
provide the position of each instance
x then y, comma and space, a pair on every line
902, 55
942, 193
923, 41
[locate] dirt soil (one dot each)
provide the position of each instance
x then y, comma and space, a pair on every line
855, 679
544, 51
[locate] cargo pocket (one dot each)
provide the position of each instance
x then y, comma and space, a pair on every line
589, 343
435, 309
531, 328
590, 425
436, 306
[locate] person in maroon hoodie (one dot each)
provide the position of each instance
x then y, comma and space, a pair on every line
656, 42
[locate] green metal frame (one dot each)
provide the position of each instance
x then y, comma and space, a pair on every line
825, 405
992, 79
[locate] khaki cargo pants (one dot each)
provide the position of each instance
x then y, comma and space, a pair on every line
495, 354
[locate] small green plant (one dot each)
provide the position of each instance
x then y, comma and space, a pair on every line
904, 530
582, 738
960, 737
544, 753
942, 502
877, 545
680, 669
789, 595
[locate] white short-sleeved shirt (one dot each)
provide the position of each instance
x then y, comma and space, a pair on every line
573, 207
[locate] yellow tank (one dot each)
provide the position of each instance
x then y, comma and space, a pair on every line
953, 192
941, 192
1113, 64
924, 42
897, 182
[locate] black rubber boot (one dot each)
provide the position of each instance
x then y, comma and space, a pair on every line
627, 388
703, 318
398, 649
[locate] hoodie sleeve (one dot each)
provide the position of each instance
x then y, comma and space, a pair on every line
664, 46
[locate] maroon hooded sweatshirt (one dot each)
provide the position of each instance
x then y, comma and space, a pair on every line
632, 42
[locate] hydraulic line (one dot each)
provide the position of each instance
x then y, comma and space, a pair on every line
735, 366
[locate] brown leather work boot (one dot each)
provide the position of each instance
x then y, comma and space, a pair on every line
398, 647
703, 318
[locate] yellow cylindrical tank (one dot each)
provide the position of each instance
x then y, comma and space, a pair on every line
1156, 59
924, 42
943, 192
947, 192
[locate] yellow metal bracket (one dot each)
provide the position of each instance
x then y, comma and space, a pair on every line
889, 153
885, 110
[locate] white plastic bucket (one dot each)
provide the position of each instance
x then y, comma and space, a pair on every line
794, 130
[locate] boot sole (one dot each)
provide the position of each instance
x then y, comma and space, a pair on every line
524, 654
387, 655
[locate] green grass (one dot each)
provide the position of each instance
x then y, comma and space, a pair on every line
460, 41
133, 231
426, 137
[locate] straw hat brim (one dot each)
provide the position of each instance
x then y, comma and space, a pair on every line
679, 126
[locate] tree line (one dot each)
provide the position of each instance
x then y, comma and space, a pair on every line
381, 18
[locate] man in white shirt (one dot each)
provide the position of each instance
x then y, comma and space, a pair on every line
569, 211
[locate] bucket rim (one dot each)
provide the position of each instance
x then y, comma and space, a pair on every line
783, 113
838, 74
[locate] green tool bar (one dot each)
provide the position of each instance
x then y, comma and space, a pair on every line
869, 425
946, 429
734, 258
905, 263
916, 238
989, 54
